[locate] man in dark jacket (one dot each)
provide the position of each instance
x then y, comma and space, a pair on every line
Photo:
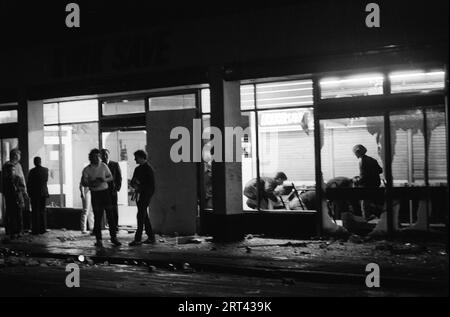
113, 186
143, 183
369, 177
38, 192
369, 169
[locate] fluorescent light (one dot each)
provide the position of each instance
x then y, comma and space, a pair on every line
329, 81
415, 74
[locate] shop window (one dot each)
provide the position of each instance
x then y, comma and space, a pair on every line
78, 111
408, 148
284, 94
206, 100
357, 179
247, 97
207, 152
249, 153
71, 111
352, 86
437, 144
51, 113
176, 102
8, 116
51, 160
125, 106
339, 138
67, 147
411, 146
66, 154
417, 81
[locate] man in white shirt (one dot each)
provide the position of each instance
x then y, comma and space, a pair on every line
96, 176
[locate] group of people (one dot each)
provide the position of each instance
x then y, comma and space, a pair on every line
19, 193
100, 183
269, 189
102, 179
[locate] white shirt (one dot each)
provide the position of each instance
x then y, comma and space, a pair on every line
92, 172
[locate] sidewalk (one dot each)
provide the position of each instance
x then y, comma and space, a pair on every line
409, 264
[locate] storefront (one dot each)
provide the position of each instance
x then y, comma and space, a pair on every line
305, 91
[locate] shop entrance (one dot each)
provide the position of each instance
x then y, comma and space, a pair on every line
144, 122
122, 144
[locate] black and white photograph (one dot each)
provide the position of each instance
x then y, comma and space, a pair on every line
224, 154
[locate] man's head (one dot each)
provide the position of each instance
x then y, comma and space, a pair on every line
280, 177
37, 161
359, 150
94, 156
140, 156
104, 155
15, 155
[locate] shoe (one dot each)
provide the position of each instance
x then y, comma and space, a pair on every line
84, 232
92, 233
99, 244
134, 243
150, 240
116, 242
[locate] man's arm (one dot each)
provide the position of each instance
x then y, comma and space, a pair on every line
269, 188
150, 180
84, 179
45, 175
362, 173
108, 174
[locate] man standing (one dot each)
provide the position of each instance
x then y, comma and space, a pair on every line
14, 191
38, 191
96, 176
113, 186
143, 182
369, 177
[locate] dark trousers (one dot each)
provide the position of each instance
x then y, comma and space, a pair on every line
143, 220
114, 211
13, 215
38, 215
101, 202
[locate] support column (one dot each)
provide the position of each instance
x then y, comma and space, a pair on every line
226, 176
22, 120
35, 111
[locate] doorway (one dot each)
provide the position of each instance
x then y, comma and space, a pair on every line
122, 144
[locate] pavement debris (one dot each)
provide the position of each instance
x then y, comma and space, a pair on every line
354, 238
408, 248
187, 268
288, 281
172, 267
297, 244
32, 262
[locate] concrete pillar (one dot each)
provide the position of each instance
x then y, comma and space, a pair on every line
35, 131
22, 120
226, 176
